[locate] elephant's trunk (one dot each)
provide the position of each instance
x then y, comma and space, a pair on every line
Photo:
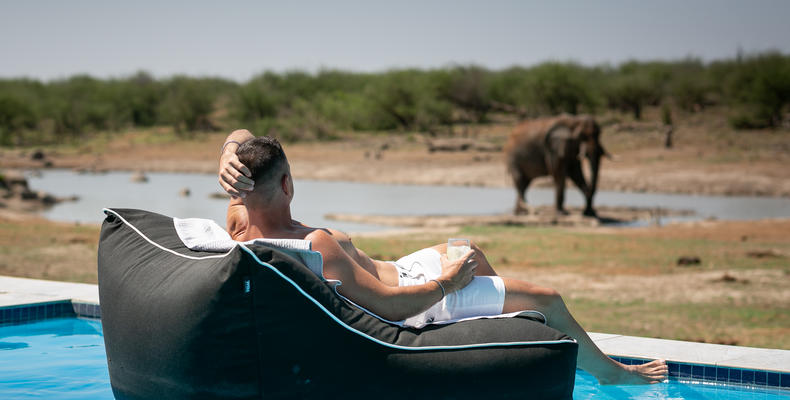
595, 165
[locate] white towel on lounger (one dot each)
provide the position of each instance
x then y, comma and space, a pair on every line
201, 234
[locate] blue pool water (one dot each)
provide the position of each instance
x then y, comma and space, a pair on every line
59, 358
64, 359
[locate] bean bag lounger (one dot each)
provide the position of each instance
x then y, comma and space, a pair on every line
257, 322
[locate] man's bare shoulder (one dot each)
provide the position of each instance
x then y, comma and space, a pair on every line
327, 235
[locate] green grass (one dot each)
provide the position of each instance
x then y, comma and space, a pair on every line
556, 247
757, 326
44, 250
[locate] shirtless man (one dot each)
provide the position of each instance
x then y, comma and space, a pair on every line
257, 173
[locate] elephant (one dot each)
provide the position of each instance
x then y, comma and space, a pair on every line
554, 146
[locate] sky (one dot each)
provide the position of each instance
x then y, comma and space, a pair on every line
238, 39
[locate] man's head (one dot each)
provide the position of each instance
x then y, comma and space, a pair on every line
265, 158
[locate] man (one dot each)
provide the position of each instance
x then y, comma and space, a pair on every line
420, 287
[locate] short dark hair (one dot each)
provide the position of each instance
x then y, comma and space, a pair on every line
264, 156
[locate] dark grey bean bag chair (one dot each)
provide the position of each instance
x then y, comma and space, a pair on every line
257, 323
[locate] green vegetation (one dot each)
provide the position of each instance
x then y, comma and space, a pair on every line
301, 106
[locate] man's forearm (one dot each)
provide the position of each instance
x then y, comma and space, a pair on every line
238, 136
406, 301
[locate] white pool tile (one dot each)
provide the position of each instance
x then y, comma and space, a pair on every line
18, 291
599, 337
765, 359
694, 353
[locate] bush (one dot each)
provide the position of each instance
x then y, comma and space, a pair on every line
635, 85
15, 115
297, 123
507, 88
629, 93
254, 101
760, 91
188, 104
410, 99
691, 87
141, 96
556, 87
468, 89
81, 104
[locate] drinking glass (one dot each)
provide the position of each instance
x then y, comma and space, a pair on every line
456, 248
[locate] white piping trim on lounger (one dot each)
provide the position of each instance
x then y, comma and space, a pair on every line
335, 318
134, 228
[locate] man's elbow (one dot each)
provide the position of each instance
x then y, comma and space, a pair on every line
242, 135
392, 315
391, 310
380, 305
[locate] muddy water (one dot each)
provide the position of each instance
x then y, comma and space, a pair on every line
314, 199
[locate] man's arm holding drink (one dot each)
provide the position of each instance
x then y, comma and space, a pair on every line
392, 303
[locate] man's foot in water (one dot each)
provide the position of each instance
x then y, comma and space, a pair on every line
653, 372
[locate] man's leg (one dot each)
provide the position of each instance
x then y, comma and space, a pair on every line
522, 295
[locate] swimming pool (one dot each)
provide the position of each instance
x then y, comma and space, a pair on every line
60, 358
63, 358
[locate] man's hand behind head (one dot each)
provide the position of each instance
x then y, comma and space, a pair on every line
234, 177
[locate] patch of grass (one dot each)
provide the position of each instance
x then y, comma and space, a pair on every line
45, 250
578, 251
620, 253
756, 326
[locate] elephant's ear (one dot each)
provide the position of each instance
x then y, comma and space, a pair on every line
559, 141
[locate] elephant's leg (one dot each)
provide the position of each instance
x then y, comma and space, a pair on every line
577, 176
521, 182
559, 190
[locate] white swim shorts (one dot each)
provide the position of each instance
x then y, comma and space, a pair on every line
484, 296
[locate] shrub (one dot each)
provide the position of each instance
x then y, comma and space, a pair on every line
188, 104
15, 115
141, 96
254, 101
296, 123
759, 89
558, 87
410, 99
468, 89
690, 86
